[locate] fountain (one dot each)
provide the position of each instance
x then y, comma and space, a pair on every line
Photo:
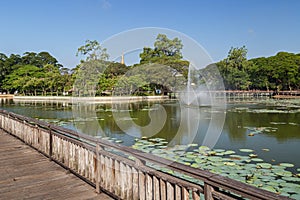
195, 94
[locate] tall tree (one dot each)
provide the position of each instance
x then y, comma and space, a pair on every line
19, 79
93, 51
279, 72
165, 49
3, 69
53, 78
166, 52
234, 69
168, 47
39, 59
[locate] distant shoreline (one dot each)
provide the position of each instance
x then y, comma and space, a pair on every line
7, 96
286, 97
90, 99
109, 99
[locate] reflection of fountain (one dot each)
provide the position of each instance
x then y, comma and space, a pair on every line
195, 96
188, 89
189, 124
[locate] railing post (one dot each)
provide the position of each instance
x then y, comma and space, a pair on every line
50, 143
140, 162
208, 192
98, 189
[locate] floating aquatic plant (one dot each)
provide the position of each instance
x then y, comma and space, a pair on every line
249, 168
287, 164
246, 150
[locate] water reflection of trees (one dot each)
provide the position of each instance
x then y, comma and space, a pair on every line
237, 121
97, 119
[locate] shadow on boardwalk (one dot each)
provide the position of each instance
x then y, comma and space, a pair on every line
26, 174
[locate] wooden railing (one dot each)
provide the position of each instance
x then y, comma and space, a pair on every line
107, 166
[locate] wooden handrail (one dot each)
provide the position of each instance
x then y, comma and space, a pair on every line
214, 185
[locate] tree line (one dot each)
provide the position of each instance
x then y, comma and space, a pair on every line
33, 74
41, 74
278, 72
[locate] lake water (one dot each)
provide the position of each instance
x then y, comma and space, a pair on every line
270, 127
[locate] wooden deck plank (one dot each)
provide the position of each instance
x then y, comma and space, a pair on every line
27, 174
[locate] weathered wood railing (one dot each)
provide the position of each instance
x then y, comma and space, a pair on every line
103, 165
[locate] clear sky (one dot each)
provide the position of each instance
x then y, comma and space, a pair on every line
265, 27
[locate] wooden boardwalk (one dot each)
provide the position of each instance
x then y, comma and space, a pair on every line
27, 174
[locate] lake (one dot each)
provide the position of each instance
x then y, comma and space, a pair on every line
269, 127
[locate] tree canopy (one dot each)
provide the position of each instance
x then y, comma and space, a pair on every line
279, 72
93, 51
159, 68
33, 73
234, 69
164, 49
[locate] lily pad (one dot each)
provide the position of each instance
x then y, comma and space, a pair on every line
284, 173
229, 163
257, 160
289, 189
214, 158
266, 149
252, 155
200, 160
229, 152
264, 165
195, 165
292, 179
246, 150
219, 150
295, 196
287, 164
269, 188
272, 183
268, 179
203, 148
278, 168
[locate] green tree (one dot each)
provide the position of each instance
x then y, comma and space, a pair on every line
279, 72
7, 65
168, 47
39, 59
86, 77
31, 73
66, 79
53, 79
261, 74
90, 73
234, 69
285, 70
93, 51
115, 69
3, 70
164, 50
19, 79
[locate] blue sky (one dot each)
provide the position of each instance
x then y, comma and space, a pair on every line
61, 26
